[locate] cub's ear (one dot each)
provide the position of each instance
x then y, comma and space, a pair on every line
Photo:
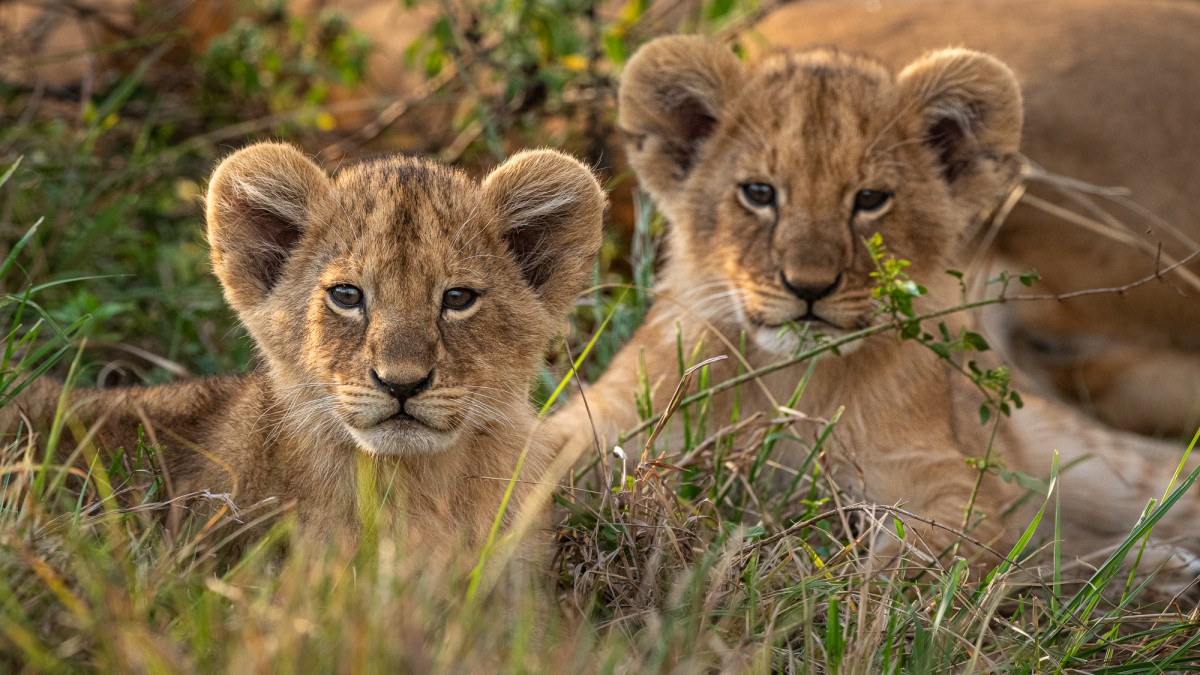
968, 111
671, 98
551, 208
259, 201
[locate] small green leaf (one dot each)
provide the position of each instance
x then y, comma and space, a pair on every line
975, 341
1016, 399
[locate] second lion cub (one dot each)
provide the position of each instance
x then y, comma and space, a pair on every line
775, 178
400, 309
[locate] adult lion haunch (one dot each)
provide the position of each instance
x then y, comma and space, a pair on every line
401, 310
772, 177
1111, 96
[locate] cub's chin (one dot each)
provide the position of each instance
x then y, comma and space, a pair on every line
404, 437
785, 342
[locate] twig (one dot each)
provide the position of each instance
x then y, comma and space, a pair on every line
676, 398
723, 432
1121, 290
884, 327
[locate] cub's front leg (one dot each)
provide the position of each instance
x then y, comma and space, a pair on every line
609, 407
933, 488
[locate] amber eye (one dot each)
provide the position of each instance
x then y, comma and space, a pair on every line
866, 201
346, 296
758, 194
459, 299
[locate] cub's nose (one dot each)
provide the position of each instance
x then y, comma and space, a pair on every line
811, 290
402, 390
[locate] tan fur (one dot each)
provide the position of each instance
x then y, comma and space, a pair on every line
1110, 93
404, 231
941, 137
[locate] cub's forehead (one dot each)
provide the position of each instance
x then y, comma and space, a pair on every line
816, 111
404, 204
815, 93
405, 190
405, 221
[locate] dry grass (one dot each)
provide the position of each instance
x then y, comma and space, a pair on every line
694, 551
681, 556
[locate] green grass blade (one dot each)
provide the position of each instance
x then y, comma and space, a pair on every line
17, 247
580, 359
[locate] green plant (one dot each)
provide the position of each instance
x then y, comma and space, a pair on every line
27, 353
523, 64
115, 181
272, 62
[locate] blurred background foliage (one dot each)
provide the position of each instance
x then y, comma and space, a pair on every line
117, 113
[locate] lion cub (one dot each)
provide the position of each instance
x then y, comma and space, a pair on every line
400, 309
773, 177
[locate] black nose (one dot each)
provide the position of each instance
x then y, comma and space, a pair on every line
811, 292
403, 391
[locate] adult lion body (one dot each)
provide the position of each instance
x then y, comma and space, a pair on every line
772, 177
1111, 94
400, 309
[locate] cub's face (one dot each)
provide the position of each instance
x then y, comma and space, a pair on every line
775, 176
399, 303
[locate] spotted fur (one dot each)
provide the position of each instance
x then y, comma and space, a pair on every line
403, 232
818, 127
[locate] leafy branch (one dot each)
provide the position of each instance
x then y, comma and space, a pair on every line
897, 293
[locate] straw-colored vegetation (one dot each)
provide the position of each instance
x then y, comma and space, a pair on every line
681, 559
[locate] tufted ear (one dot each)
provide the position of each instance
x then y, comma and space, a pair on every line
968, 111
671, 98
259, 200
552, 211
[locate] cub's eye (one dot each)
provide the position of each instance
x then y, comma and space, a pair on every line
347, 296
458, 299
866, 201
758, 195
